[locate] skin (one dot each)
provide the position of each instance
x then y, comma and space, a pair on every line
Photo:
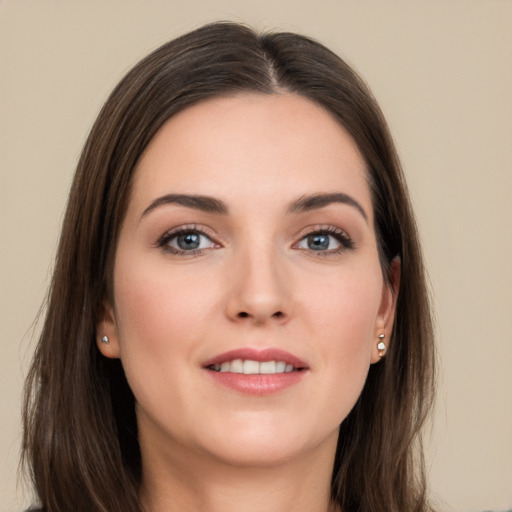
255, 282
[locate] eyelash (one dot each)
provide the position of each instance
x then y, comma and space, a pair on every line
164, 240
346, 243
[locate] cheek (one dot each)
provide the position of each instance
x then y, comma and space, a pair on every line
344, 317
156, 307
345, 308
161, 318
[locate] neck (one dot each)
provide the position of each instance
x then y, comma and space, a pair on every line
179, 482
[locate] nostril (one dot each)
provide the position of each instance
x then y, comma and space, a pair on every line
244, 314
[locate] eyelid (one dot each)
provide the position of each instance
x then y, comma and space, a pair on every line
183, 229
345, 240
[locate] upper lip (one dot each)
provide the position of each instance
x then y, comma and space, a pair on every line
260, 355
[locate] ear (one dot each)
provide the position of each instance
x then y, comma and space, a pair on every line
107, 338
387, 309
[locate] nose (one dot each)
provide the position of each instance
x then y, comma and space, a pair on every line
259, 289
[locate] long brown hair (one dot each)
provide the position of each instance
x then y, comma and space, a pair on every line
80, 437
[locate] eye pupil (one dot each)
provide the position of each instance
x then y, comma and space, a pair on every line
188, 241
318, 242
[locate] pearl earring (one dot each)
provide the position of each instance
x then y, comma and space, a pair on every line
105, 340
381, 346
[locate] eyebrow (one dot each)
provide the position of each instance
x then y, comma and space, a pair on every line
203, 203
212, 205
316, 201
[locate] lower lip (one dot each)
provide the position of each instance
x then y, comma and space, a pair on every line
259, 384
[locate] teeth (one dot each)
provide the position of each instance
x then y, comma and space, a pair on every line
236, 366
268, 367
250, 367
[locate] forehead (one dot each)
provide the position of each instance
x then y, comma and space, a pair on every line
266, 146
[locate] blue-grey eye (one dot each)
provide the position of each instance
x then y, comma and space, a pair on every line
188, 241
320, 242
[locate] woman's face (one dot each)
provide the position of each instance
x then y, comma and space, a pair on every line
248, 295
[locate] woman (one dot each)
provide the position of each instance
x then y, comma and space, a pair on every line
238, 318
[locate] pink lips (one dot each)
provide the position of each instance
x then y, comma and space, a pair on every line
257, 384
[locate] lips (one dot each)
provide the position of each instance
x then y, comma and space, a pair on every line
253, 371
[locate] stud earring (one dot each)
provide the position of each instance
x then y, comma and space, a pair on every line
105, 340
381, 346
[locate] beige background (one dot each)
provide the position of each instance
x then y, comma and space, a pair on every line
442, 71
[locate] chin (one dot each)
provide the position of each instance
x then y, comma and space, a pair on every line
261, 446
258, 456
